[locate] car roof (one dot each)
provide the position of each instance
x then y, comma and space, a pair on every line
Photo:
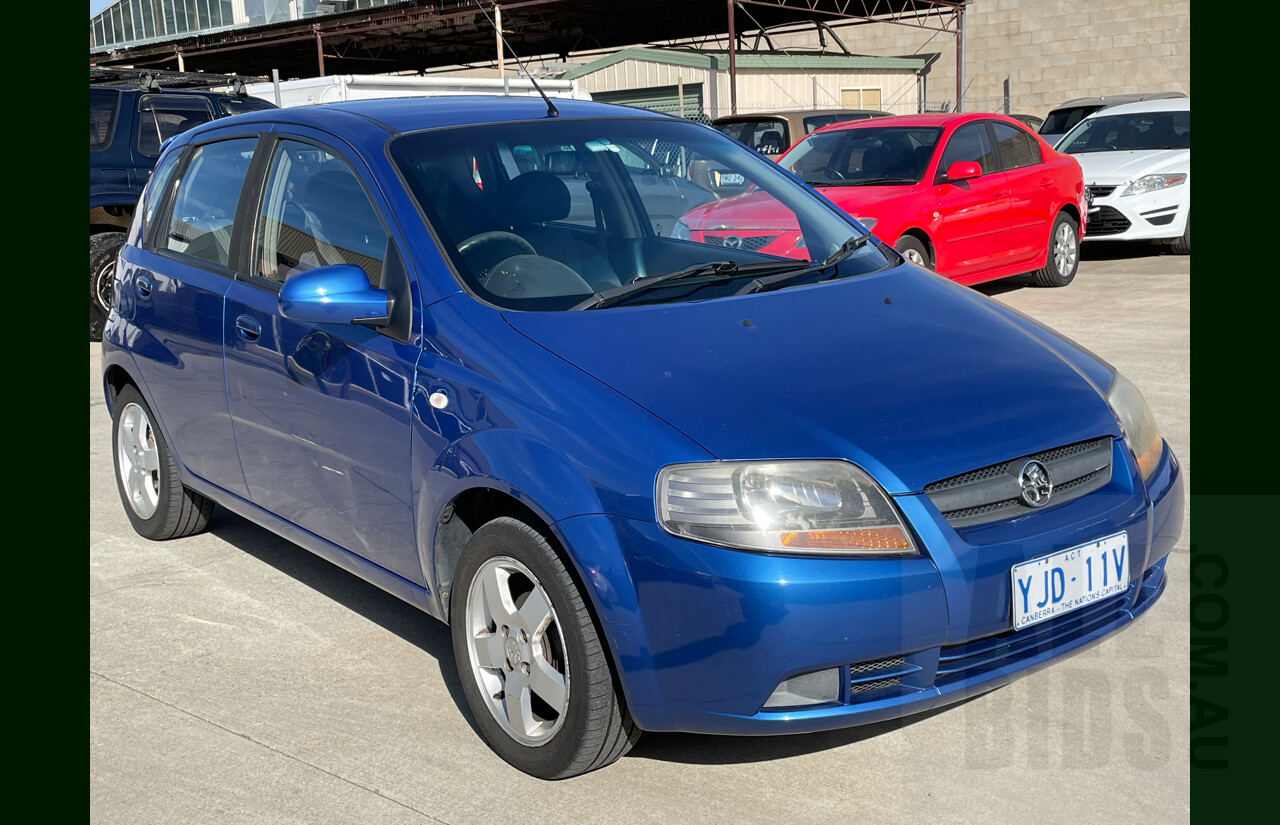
1181, 104
1117, 100
929, 119
795, 113
415, 114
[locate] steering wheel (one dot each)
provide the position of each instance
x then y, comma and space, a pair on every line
532, 276
482, 251
831, 171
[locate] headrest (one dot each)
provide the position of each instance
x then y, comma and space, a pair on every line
562, 163
770, 141
534, 197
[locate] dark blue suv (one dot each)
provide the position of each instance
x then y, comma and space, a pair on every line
650, 483
131, 115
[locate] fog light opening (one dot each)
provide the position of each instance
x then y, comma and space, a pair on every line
818, 688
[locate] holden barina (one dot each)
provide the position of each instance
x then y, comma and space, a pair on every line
650, 482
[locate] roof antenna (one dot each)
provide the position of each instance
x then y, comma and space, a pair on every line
552, 111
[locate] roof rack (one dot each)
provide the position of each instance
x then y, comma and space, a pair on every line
155, 79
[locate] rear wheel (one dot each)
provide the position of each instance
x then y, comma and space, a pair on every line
533, 666
913, 249
155, 501
1182, 246
103, 249
1064, 253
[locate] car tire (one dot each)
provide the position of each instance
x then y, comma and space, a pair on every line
1182, 245
103, 249
158, 505
1063, 257
911, 248
518, 619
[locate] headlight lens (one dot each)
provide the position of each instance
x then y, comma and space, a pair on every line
869, 223
802, 507
680, 232
1151, 183
1138, 423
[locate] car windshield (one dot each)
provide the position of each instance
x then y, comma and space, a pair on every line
1138, 131
884, 155
549, 215
1060, 121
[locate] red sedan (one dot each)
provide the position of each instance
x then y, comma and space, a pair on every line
974, 197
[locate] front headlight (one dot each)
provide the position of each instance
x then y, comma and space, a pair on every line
803, 507
1138, 423
1152, 183
680, 231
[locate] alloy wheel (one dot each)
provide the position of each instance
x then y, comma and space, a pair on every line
138, 460
1065, 249
517, 651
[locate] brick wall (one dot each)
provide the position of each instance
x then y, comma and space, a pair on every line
1051, 50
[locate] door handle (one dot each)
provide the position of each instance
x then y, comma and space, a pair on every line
248, 328
998, 194
1047, 182
144, 286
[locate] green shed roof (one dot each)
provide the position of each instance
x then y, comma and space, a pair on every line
719, 61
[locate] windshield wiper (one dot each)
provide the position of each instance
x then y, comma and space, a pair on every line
882, 182
721, 270
783, 278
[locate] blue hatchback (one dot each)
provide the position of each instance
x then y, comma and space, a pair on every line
462, 348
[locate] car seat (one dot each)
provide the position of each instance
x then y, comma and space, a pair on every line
770, 142
535, 198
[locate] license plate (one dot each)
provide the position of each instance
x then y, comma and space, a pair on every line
1070, 579
729, 179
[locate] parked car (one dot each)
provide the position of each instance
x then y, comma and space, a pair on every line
772, 133
131, 114
651, 484
1063, 118
975, 197
1136, 160
1032, 122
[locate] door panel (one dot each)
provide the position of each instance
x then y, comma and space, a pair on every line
1032, 195
321, 411
176, 294
973, 215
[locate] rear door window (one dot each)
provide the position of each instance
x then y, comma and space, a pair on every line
1017, 149
204, 205
163, 116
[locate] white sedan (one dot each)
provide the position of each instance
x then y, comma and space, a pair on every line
1136, 160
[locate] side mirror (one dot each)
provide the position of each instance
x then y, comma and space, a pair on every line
337, 294
963, 170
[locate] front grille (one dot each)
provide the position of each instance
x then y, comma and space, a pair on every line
993, 493
752, 244
879, 684
1107, 220
1101, 191
971, 658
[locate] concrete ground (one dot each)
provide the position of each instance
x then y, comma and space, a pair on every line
234, 677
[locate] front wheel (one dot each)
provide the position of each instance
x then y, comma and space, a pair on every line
103, 249
910, 247
532, 664
1064, 253
158, 505
1182, 246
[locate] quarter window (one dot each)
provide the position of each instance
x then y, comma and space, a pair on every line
103, 104
204, 206
316, 213
1017, 149
969, 143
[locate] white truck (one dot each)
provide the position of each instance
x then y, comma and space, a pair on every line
333, 88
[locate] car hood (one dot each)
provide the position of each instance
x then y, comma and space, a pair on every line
752, 210
1118, 167
862, 201
907, 374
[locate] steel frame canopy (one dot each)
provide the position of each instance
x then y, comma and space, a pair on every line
418, 35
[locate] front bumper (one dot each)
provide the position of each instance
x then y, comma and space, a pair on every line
702, 635
1160, 215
